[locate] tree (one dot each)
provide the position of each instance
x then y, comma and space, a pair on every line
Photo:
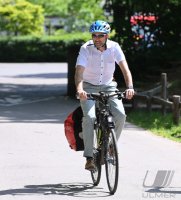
75, 15
21, 17
147, 59
167, 24
53, 7
81, 13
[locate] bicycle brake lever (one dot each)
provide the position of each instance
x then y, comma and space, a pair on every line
121, 95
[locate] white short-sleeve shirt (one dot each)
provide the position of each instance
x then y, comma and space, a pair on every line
99, 66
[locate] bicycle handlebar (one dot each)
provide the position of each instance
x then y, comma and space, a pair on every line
106, 95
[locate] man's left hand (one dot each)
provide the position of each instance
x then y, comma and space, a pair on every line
130, 93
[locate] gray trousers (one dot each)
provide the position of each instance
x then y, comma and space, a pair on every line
88, 107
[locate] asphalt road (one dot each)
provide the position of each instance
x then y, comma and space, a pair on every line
25, 83
37, 163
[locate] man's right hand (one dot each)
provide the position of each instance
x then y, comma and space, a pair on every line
82, 94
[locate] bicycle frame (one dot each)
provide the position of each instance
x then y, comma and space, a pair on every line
104, 120
105, 137
103, 113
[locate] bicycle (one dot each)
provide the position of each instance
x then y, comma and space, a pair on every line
105, 149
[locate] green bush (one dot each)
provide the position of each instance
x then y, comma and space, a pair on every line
39, 49
20, 17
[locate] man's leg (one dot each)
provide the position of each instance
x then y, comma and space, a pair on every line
117, 109
119, 116
88, 108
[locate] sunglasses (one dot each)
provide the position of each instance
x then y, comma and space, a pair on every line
98, 35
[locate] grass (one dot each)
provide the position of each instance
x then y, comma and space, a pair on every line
156, 123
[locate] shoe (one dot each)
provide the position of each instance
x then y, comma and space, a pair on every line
90, 164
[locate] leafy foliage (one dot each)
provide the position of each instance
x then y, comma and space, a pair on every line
167, 13
53, 7
75, 15
21, 17
41, 48
148, 58
81, 13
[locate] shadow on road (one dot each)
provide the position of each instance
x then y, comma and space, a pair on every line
42, 75
29, 90
52, 109
69, 189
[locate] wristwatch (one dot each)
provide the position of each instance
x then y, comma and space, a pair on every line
130, 87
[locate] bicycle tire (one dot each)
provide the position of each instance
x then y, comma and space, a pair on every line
112, 162
96, 174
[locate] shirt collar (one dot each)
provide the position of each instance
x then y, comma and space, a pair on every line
108, 44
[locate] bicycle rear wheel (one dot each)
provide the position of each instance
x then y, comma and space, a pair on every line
112, 162
96, 174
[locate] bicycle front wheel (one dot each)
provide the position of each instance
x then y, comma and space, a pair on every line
96, 173
112, 162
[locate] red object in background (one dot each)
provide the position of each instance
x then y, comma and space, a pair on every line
135, 19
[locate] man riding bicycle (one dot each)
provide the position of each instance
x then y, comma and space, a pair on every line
95, 68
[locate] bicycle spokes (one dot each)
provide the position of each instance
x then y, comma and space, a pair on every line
112, 169
96, 174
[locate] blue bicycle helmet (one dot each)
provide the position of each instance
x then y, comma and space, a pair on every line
100, 26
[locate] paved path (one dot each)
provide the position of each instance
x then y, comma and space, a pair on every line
37, 163
25, 83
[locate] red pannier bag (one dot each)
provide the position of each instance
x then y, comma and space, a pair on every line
73, 129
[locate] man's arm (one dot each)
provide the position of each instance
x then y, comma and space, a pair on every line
79, 82
128, 78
